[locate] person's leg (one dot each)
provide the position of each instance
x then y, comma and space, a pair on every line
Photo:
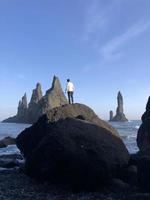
72, 97
69, 97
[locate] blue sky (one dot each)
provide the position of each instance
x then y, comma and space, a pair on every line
101, 45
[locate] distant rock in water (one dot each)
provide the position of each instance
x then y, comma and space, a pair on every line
38, 105
71, 145
7, 141
120, 116
111, 115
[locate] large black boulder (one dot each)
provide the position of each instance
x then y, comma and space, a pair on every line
76, 152
29, 139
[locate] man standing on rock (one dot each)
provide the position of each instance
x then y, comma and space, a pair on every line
70, 90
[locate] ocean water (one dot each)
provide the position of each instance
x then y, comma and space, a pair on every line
12, 130
127, 131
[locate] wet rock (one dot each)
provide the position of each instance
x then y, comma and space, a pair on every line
7, 141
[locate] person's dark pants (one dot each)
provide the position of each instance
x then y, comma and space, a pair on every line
70, 97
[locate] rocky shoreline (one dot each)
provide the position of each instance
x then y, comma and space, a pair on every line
71, 154
15, 185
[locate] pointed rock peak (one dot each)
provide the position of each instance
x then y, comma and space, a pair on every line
55, 97
38, 85
19, 104
25, 95
56, 82
119, 94
120, 116
148, 104
36, 94
24, 100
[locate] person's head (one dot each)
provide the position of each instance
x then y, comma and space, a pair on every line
68, 80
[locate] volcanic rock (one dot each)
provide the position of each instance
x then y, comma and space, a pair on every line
143, 136
82, 153
39, 104
120, 116
31, 136
34, 105
111, 115
144, 173
36, 95
54, 97
7, 141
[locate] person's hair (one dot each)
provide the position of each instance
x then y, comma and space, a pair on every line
68, 80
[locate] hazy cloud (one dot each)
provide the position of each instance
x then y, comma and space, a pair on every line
111, 49
95, 18
87, 69
98, 16
21, 76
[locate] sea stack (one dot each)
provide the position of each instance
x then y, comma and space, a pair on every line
54, 97
36, 94
111, 115
120, 116
22, 108
34, 105
39, 104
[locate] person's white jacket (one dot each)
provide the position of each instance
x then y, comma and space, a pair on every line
70, 87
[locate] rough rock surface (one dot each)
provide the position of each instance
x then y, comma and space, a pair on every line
120, 116
72, 151
34, 105
143, 173
7, 141
143, 137
54, 97
31, 136
39, 104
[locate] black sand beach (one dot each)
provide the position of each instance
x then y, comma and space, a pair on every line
14, 185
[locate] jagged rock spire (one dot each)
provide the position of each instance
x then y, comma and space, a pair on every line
39, 104
111, 115
22, 106
120, 116
24, 101
54, 96
36, 94
120, 103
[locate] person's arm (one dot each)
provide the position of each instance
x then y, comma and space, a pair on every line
66, 88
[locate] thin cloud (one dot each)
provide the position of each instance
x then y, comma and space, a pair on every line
21, 77
87, 69
97, 17
111, 49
